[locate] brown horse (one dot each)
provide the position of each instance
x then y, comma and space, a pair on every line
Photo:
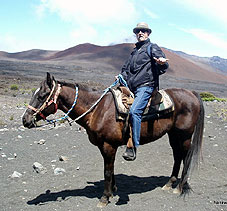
106, 133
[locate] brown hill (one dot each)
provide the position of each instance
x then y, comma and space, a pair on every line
117, 54
181, 67
79, 49
114, 55
111, 58
34, 54
215, 63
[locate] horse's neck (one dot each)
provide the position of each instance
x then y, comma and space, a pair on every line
84, 101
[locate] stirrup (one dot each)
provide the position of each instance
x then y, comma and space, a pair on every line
129, 154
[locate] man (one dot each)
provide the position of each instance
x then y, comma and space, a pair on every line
141, 73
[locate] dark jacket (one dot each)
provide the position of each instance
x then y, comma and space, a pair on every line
140, 68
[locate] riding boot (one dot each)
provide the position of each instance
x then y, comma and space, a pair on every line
130, 154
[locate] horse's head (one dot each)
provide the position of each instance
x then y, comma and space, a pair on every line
43, 102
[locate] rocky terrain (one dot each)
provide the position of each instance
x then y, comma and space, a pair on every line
57, 168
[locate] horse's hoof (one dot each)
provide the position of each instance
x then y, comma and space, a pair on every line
114, 188
166, 187
102, 204
176, 191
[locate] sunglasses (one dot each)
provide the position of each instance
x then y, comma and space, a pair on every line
141, 30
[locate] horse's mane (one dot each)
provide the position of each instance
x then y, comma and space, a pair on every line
80, 86
84, 87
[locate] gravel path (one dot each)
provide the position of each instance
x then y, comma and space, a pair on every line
81, 185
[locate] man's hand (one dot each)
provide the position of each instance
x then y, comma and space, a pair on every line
161, 60
116, 77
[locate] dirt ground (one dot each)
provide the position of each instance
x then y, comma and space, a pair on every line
81, 185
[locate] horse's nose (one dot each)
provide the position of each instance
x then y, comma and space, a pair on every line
27, 121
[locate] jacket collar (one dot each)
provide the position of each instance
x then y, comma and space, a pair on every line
140, 44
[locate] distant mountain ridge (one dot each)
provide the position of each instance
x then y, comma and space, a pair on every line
219, 64
34, 54
111, 58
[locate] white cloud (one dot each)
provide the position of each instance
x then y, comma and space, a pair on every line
215, 9
12, 44
83, 34
211, 38
151, 14
104, 38
95, 21
90, 11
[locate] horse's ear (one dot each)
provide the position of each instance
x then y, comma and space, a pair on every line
53, 78
49, 80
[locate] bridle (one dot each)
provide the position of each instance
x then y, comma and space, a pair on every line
50, 99
55, 97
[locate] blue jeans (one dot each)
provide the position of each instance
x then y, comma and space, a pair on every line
142, 96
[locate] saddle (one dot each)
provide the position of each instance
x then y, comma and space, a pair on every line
159, 104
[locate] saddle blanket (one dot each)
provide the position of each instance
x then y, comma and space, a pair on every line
159, 104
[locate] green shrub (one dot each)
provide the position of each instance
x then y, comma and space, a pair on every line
207, 96
14, 87
33, 90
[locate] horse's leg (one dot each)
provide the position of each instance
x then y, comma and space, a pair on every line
114, 186
178, 157
108, 153
186, 186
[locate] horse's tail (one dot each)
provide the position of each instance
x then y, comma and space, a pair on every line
194, 153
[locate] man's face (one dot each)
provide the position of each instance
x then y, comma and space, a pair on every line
142, 34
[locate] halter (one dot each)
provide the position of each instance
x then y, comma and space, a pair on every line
48, 102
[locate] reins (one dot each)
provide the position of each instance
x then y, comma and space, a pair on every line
67, 114
119, 80
47, 103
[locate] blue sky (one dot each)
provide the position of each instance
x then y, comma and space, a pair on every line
196, 27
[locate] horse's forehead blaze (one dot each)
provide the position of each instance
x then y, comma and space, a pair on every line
36, 91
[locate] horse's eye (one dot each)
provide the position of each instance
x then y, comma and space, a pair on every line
41, 97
